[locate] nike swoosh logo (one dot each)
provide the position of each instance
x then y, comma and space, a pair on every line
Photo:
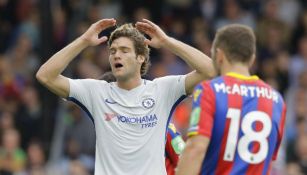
110, 102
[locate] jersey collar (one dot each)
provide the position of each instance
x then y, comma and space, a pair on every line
242, 77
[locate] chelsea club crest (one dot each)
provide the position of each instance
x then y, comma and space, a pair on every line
148, 103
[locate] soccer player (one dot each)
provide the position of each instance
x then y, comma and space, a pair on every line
237, 120
174, 143
130, 115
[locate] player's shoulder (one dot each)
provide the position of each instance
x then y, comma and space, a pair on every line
169, 78
208, 84
88, 82
203, 88
275, 92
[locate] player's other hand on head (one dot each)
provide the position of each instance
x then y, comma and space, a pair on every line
157, 36
91, 36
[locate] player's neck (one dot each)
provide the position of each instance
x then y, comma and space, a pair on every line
129, 83
236, 68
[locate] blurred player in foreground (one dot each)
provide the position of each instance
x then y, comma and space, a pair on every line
130, 115
237, 121
173, 148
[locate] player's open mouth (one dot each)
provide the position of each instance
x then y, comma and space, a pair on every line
118, 65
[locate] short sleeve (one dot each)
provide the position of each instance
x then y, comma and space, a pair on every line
79, 90
82, 91
172, 87
203, 110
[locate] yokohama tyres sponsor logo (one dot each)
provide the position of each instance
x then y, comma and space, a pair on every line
144, 121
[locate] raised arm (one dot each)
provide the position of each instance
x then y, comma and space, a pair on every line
49, 73
201, 63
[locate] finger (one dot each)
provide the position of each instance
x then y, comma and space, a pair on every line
149, 22
105, 23
109, 23
105, 20
141, 27
147, 32
145, 28
145, 25
147, 42
102, 39
102, 21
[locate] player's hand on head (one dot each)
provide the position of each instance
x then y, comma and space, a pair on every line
156, 34
91, 36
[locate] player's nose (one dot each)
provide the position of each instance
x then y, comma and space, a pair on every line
117, 56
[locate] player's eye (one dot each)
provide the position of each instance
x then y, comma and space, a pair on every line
112, 51
125, 50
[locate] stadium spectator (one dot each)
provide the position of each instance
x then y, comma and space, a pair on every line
36, 160
12, 157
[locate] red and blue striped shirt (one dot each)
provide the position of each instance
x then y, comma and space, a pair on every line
244, 119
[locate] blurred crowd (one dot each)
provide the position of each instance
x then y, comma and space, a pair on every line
41, 134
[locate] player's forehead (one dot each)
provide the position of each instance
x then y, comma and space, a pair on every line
122, 42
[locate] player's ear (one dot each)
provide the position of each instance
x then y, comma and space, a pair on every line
220, 56
252, 60
140, 59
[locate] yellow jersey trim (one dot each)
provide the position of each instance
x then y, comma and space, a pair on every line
242, 77
172, 127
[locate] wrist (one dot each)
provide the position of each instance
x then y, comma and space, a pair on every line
166, 42
82, 42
